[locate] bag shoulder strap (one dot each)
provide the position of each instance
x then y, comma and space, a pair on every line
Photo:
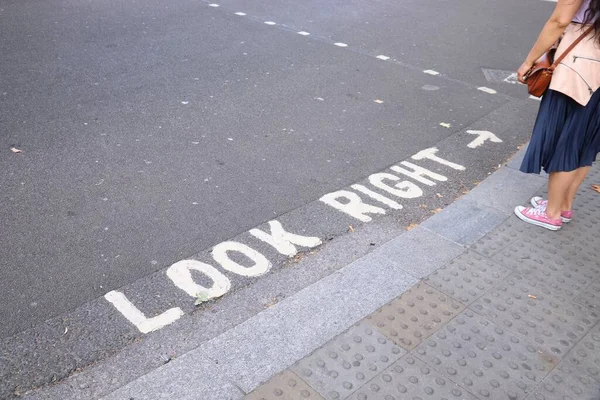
571, 47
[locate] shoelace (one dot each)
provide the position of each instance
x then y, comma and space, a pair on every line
538, 211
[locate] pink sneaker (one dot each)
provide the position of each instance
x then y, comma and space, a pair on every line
566, 216
537, 216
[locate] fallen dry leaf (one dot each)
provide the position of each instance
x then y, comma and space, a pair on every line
532, 296
437, 210
271, 303
411, 226
378, 101
15, 150
438, 195
423, 206
596, 188
350, 228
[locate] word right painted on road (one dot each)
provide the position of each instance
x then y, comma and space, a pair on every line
391, 182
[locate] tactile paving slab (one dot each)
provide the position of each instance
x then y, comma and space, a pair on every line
577, 376
414, 316
486, 359
585, 357
284, 386
347, 362
410, 378
501, 237
566, 384
544, 259
467, 277
547, 317
590, 297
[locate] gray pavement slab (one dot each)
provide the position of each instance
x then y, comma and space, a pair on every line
347, 362
415, 315
419, 251
486, 359
590, 297
499, 191
173, 384
546, 316
465, 221
501, 237
468, 277
285, 386
577, 376
541, 257
411, 378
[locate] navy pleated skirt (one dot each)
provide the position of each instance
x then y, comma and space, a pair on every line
566, 135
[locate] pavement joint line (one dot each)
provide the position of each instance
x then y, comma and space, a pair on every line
371, 55
440, 235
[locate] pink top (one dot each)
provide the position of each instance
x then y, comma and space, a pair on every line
580, 16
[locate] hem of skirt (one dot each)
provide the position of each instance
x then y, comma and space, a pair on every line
538, 171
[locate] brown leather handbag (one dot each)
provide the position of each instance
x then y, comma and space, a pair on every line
539, 76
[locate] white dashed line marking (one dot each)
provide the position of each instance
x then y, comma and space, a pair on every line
303, 33
241, 14
340, 44
270, 23
487, 90
431, 72
382, 57
213, 5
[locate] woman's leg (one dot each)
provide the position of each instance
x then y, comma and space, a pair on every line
580, 174
559, 184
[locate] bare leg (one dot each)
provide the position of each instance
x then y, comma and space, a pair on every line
558, 190
580, 174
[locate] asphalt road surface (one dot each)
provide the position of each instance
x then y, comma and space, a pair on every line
150, 131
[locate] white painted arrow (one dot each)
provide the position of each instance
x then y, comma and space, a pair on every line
482, 136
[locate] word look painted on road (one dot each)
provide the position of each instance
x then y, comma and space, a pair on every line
400, 182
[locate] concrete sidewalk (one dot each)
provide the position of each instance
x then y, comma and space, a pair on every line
472, 304
513, 317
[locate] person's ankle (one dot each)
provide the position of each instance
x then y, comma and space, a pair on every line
553, 214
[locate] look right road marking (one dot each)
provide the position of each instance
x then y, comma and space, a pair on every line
347, 201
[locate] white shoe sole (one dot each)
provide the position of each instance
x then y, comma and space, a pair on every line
534, 222
534, 204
